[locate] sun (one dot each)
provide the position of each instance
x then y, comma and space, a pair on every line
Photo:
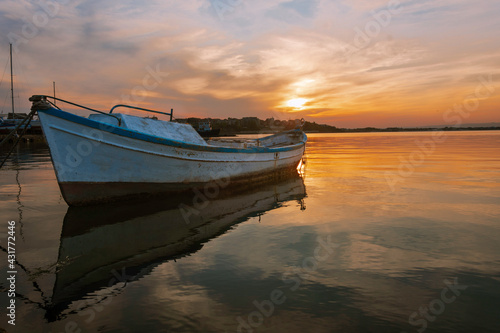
297, 103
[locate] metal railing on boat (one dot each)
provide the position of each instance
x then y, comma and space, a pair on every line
39, 100
44, 99
171, 114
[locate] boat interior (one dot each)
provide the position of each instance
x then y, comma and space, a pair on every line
273, 141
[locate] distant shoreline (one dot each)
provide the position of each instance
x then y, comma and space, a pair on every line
371, 130
426, 129
254, 125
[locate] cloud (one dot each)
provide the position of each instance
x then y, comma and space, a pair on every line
294, 12
259, 54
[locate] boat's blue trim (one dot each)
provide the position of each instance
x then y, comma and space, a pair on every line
155, 139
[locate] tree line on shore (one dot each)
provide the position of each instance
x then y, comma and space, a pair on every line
254, 124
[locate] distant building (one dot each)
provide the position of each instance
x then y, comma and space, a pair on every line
245, 124
250, 122
269, 122
233, 122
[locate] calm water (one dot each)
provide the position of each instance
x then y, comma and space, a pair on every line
386, 232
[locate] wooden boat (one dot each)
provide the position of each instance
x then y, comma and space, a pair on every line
111, 156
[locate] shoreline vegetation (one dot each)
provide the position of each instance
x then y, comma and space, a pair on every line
254, 125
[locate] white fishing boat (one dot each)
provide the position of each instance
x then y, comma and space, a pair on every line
111, 156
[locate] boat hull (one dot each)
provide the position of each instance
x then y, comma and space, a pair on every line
97, 162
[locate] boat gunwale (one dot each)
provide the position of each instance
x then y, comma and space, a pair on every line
133, 134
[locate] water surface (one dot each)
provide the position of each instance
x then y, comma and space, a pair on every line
383, 232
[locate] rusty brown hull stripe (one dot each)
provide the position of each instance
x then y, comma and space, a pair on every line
89, 193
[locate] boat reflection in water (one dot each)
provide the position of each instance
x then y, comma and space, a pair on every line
98, 244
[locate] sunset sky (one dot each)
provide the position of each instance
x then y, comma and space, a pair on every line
345, 63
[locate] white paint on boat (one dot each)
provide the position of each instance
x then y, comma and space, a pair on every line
163, 129
147, 151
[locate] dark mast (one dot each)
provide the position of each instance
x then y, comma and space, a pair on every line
11, 81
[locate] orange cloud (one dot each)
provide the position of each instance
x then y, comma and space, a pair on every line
255, 62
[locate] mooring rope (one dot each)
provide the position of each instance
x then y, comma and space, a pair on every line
28, 118
30, 115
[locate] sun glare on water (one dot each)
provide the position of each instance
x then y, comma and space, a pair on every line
297, 103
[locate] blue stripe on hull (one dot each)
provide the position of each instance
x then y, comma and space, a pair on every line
155, 139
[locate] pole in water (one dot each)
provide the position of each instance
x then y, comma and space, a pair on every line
11, 81
54, 86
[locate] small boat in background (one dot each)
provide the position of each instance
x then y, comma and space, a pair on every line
115, 156
205, 129
10, 121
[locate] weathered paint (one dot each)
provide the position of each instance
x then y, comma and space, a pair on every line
89, 193
120, 131
97, 161
161, 129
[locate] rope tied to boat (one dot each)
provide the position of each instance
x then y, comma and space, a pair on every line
28, 118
